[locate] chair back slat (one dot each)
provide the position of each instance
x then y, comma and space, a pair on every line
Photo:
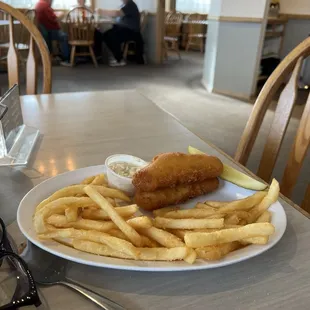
195, 25
264, 99
36, 40
306, 203
81, 24
174, 24
279, 125
291, 63
32, 72
12, 57
298, 153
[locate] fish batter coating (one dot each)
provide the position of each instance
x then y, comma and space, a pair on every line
174, 195
171, 169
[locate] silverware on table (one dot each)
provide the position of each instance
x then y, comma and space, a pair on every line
48, 269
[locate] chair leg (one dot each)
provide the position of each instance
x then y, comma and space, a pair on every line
125, 52
176, 48
72, 58
92, 54
188, 44
202, 45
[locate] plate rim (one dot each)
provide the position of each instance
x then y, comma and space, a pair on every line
175, 268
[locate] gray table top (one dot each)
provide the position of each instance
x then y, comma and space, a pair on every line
82, 129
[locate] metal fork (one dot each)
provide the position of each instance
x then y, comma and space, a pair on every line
48, 269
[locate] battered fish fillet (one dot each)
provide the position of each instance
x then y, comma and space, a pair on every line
170, 169
174, 195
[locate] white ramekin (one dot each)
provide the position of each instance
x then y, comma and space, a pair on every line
117, 181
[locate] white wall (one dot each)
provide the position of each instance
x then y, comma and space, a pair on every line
295, 6
149, 5
243, 8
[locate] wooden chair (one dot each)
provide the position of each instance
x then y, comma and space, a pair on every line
292, 63
173, 32
81, 27
197, 32
127, 45
21, 39
35, 39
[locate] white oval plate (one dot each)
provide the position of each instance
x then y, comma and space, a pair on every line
227, 191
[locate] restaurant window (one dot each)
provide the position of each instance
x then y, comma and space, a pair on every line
57, 4
193, 6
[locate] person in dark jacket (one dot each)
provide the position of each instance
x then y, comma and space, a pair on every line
126, 29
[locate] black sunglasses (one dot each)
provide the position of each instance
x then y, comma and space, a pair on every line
19, 288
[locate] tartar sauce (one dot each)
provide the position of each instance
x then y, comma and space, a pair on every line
124, 169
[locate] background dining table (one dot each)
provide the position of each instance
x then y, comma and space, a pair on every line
82, 129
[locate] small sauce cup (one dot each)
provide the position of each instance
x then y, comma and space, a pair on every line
118, 181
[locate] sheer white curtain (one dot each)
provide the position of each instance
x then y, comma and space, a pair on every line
193, 6
57, 4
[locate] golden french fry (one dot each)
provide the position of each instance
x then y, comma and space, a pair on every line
111, 201
163, 237
71, 214
59, 206
180, 233
168, 240
95, 236
271, 197
100, 180
264, 218
216, 204
198, 239
88, 180
231, 219
65, 241
163, 211
73, 190
216, 252
60, 221
243, 222
163, 254
98, 249
148, 254
132, 235
242, 204
100, 214
140, 222
162, 222
189, 213
115, 232
203, 206
255, 240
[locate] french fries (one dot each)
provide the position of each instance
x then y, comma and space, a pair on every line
216, 252
132, 235
124, 212
200, 239
74, 190
162, 222
190, 213
87, 217
99, 180
147, 254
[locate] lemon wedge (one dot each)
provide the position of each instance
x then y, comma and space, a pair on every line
235, 176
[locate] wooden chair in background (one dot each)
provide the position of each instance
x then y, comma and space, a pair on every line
127, 46
292, 63
197, 32
173, 26
35, 39
81, 27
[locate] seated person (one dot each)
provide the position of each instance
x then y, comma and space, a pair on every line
48, 22
126, 29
